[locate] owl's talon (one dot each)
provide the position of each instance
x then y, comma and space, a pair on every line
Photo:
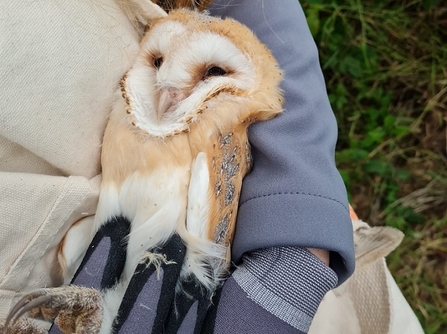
25, 304
39, 301
73, 308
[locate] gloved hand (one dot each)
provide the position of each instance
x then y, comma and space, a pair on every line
151, 294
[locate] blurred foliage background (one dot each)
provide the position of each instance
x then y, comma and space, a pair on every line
385, 64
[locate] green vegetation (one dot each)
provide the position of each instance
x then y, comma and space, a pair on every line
385, 63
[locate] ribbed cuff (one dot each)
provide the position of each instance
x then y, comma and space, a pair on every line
288, 282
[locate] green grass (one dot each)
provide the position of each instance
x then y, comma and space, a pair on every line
385, 63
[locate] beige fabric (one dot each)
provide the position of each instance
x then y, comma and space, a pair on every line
60, 62
370, 302
371, 298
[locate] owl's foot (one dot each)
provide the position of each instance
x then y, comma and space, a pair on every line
76, 309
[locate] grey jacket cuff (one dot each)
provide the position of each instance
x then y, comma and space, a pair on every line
288, 282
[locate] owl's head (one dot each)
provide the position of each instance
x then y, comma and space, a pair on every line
190, 64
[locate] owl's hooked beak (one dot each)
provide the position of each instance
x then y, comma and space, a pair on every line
169, 99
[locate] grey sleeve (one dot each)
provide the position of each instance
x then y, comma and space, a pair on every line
274, 290
294, 196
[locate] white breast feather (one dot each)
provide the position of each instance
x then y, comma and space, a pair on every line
108, 205
154, 212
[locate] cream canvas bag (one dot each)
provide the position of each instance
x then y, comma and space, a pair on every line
369, 302
60, 62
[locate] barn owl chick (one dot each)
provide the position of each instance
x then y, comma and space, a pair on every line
174, 153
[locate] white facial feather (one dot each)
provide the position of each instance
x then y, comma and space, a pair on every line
203, 48
183, 52
162, 36
214, 49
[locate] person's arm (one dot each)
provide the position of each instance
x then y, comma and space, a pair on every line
294, 197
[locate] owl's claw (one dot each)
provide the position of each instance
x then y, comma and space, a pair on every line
26, 304
74, 308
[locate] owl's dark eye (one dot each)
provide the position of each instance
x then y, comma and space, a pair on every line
158, 61
215, 71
